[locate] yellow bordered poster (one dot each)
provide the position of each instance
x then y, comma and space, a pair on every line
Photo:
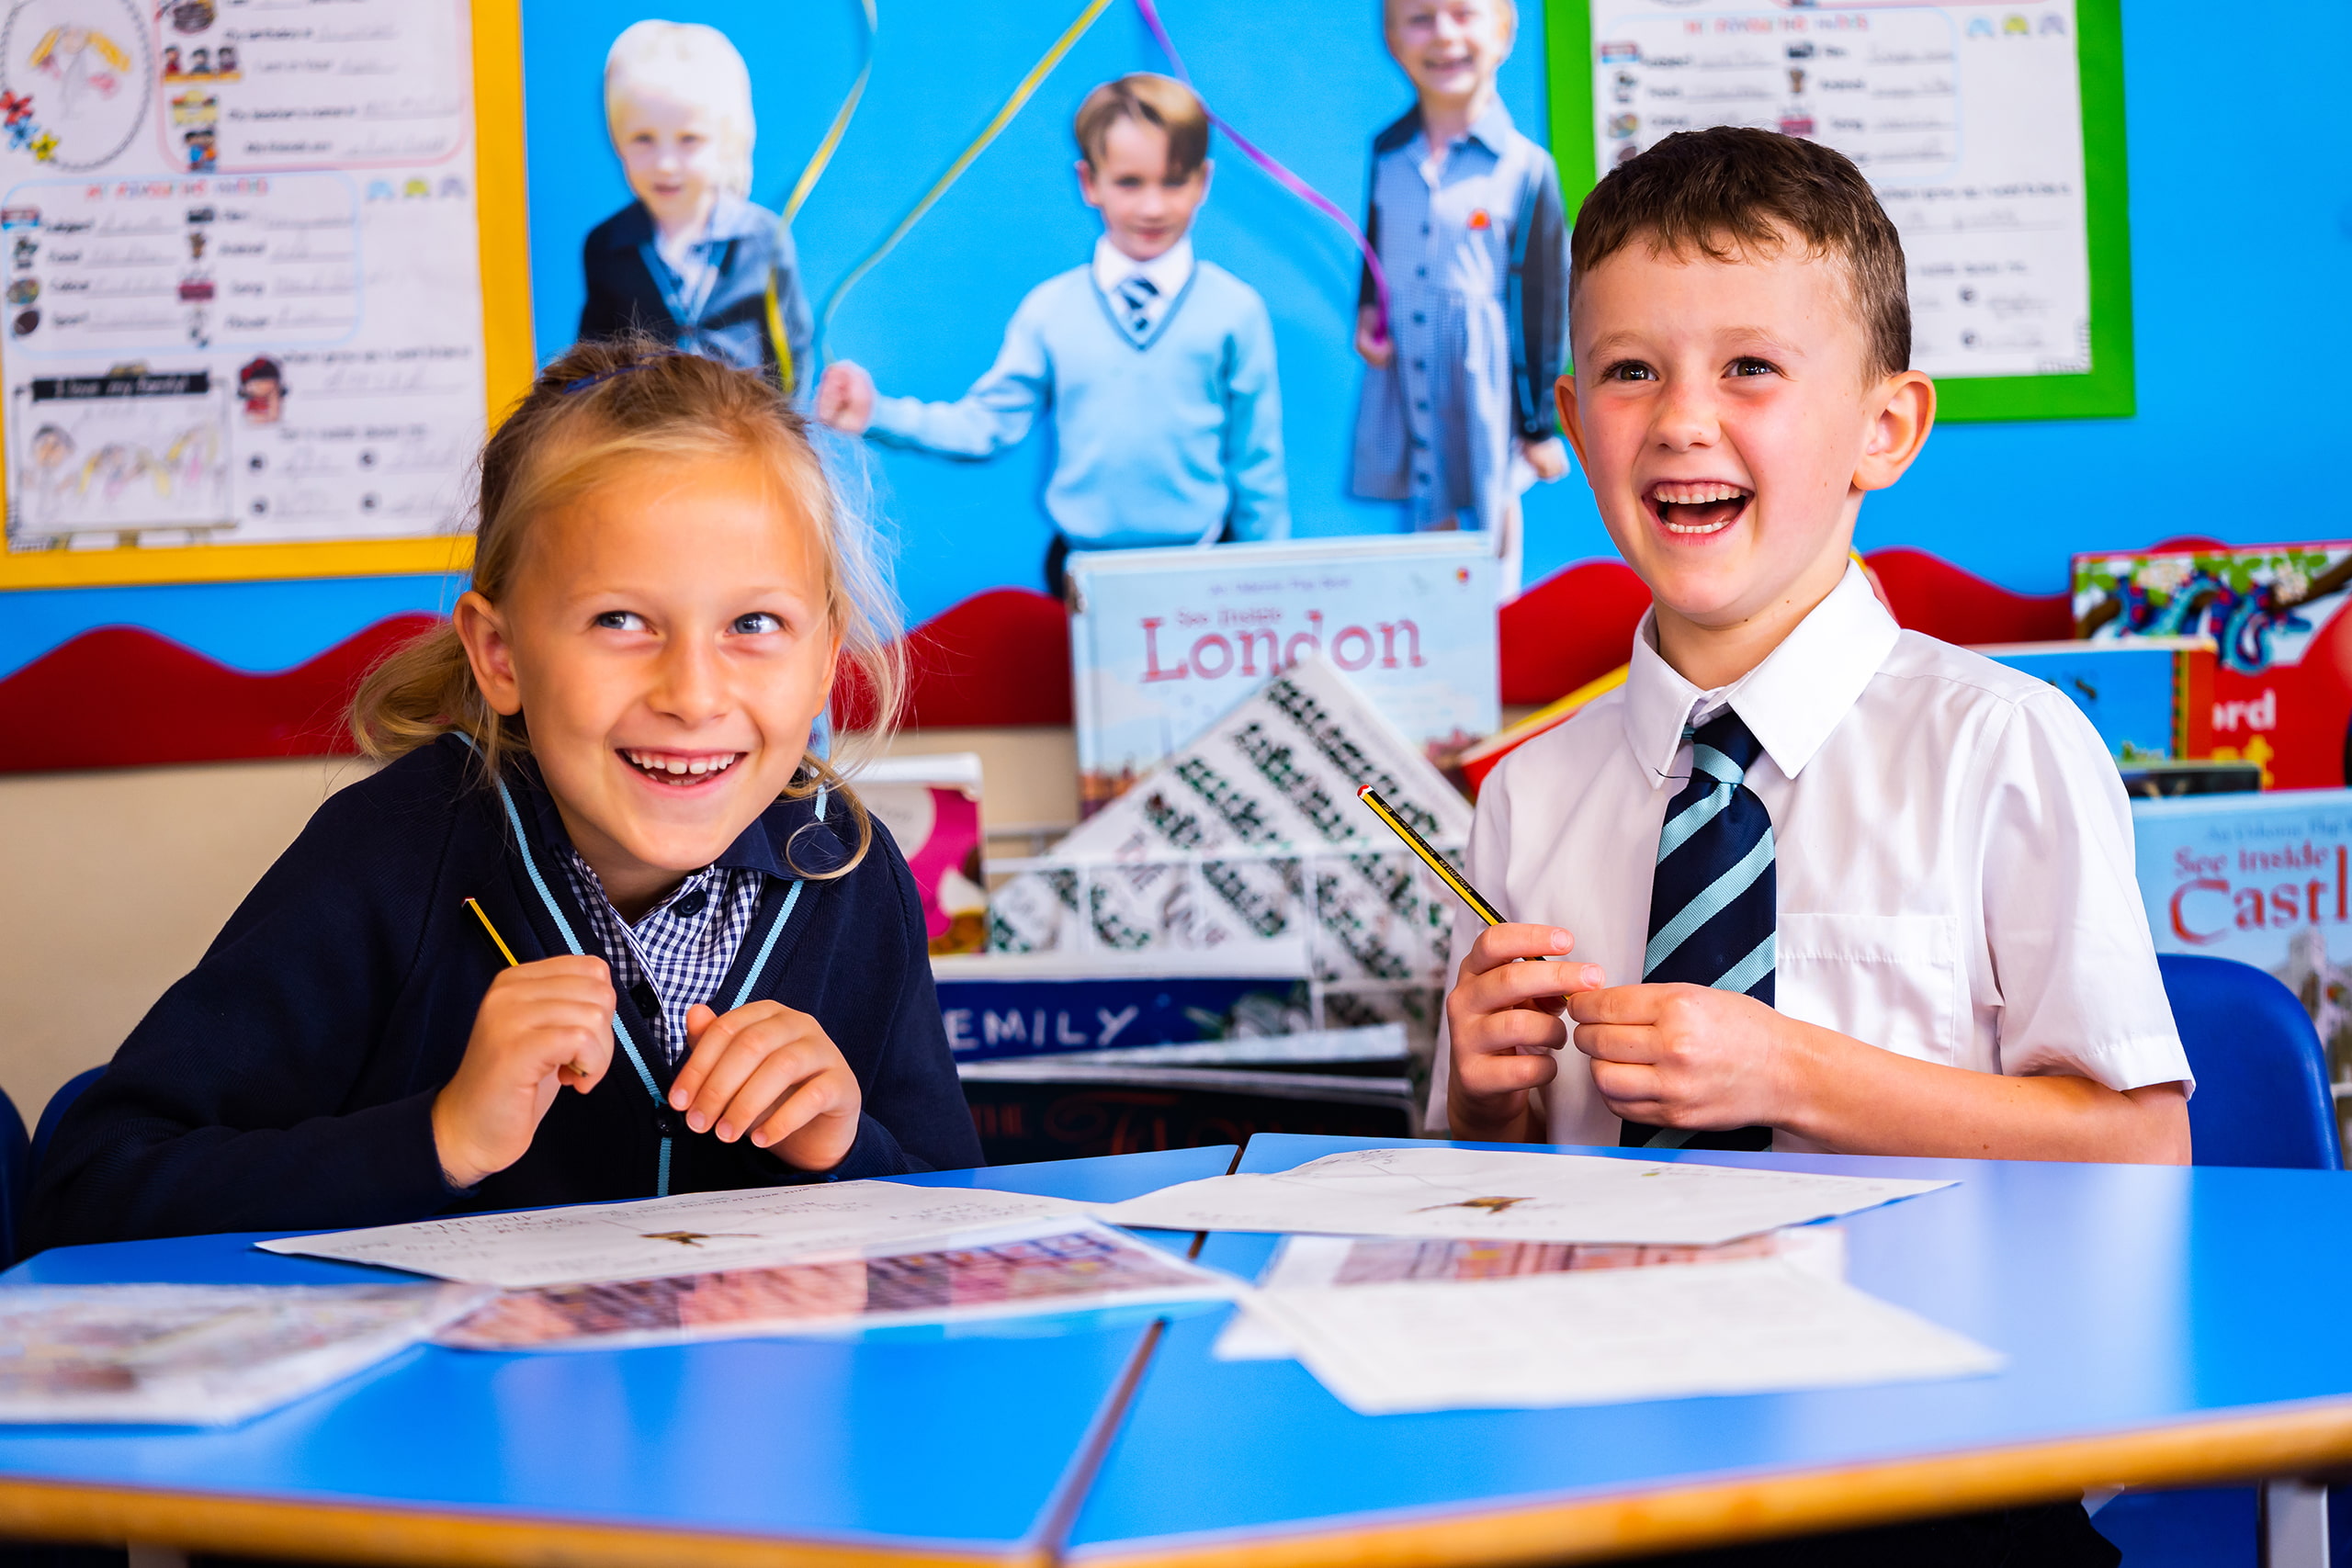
266, 283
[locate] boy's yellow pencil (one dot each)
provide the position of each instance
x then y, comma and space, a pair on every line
1429, 857
574, 1068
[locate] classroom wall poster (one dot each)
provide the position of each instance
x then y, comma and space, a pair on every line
243, 270
1990, 132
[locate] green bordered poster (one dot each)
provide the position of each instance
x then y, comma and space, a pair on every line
1993, 133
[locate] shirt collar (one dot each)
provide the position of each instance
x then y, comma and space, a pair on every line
1790, 702
1493, 129
1169, 271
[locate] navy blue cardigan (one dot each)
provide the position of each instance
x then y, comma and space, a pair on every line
287, 1083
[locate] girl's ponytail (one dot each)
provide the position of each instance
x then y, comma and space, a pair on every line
419, 691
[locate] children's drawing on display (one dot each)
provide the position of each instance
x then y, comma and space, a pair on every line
692, 260
1457, 417
261, 386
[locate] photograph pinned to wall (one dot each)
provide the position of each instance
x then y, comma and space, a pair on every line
244, 309
692, 259
1993, 133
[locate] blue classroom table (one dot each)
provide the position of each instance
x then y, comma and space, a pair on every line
905, 1447
2164, 1325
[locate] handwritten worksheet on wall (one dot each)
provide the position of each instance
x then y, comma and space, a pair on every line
1967, 118
244, 280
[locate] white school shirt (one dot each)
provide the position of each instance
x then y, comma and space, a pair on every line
1953, 849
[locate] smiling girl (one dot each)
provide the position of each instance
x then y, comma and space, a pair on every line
606, 746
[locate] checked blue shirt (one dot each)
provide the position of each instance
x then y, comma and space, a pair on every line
677, 954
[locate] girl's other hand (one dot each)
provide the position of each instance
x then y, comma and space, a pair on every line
1498, 1006
1548, 457
845, 398
770, 1074
1378, 349
540, 1026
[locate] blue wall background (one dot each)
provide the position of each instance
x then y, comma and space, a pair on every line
2242, 256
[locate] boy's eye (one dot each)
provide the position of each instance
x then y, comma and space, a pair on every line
1629, 370
755, 624
1748, 365
621, 621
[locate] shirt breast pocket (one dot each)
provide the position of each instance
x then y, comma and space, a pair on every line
1892, 981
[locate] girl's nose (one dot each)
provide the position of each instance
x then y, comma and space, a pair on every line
687, 685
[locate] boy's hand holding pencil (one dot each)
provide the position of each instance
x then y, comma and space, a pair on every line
1505, 1017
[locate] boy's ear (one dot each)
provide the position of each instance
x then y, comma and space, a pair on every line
1086, 182
1907, 414
1563, 397
483, 631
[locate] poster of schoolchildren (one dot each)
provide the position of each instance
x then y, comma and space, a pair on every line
243, 308
1047, 302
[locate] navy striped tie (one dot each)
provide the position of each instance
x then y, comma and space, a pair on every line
1714, 904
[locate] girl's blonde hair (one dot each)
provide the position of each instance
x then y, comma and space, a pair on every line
696, 64
597, 409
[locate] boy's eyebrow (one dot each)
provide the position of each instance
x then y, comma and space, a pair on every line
1626, 341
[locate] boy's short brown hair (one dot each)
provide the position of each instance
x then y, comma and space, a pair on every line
1161, 102
1723, 191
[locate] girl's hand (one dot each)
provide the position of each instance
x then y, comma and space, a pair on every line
1378, 349
1548, 457
769, 1073
845, 398
540, 1026
1497, 1006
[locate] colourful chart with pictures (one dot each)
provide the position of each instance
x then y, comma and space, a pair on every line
243, 287
1991, 130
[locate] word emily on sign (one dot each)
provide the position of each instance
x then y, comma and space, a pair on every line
1215, 654
2206, 906
1030, 1029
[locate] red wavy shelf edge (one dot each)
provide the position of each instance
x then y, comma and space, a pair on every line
122, 697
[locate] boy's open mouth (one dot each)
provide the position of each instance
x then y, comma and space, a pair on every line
1699, 506
680, 769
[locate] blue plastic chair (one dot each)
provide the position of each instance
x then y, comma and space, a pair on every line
2262, 1099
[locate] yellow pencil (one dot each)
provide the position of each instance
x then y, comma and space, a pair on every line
504, 950
574, 1068
1429, 857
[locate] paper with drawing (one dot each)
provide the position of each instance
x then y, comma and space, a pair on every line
694, 1233
1472, 1195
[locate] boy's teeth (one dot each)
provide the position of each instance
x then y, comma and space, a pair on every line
1698, 494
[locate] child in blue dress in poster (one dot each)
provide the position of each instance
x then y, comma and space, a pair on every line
692, 261
1456, 416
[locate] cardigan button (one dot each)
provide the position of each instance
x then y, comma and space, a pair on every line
671, 1124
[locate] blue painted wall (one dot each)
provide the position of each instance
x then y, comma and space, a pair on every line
2242, 248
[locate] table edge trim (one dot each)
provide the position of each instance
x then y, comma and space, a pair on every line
1754, 1505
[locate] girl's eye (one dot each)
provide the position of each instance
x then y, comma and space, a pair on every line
755, 624
1629, 370
1748, 365
621, 621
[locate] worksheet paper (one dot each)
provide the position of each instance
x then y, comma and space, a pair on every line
1318, 1261
1468, 1194
201, 1355
1046, 1265
659, 1237
1608, 1336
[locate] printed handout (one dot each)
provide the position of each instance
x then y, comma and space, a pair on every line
1317, 1261
1467, 1194
1049, 1266
1602, 1337
698, 1233
201, 1355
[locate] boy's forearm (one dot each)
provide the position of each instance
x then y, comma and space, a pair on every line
1856, 1099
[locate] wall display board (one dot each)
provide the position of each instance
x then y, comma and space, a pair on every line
245, 331
1991, 132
